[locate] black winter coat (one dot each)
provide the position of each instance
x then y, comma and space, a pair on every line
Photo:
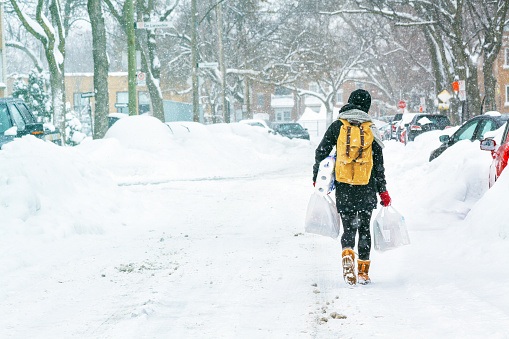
353, 198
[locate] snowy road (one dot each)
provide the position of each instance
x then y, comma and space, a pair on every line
250, 273
227, 258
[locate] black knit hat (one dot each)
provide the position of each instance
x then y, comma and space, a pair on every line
361, 99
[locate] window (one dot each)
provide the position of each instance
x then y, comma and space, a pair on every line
122, 102
25, 113
80, 104
283, 115
339, 97
506, 95
466, 132
5, 121
261, 100
282, 91
143, 102
506, 59
489, 125
16, 116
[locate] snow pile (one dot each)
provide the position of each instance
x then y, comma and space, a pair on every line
58, 191
142, 149
39, 179
50, 190
488, 218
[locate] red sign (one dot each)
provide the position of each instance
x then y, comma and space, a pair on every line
401, 104
456, 86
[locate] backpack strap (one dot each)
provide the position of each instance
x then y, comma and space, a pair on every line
362, 142
348, 135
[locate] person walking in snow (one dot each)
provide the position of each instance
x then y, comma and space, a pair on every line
355, 199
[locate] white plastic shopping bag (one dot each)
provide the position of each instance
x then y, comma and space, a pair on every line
322, 217
389, 229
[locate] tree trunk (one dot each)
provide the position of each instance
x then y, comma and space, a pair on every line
156, 97
153, 70
57, 97
55, 55
101, 68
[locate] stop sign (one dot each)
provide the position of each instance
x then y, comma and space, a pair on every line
401, 104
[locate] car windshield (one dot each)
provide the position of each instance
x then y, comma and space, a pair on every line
290, 128
440, 120
406, 119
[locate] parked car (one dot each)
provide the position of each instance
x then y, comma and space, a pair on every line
114, 117
213, 119
395, 120
386, 118
16, 120
52, 133
385, 131
473, 129
257, 123
499, 153
401, 125
290, 130
423, 122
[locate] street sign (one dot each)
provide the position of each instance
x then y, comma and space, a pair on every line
141, 78
208, 65
444, 96
121, 105
401, 104
151, 24
443, 107
456, 86
462, 95
87, 94
461, 84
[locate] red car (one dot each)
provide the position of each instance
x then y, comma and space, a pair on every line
500, 154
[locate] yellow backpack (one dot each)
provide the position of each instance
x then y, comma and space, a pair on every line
354, 159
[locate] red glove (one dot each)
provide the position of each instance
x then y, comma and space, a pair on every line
314, 183
386, 199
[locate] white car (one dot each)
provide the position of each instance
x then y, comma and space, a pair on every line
257, 123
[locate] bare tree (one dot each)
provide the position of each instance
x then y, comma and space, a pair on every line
51, 33
148, 47
458, 34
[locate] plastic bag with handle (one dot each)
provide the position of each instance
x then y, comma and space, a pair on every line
389, 229
322, 217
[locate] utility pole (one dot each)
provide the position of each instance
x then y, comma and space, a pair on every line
219, 18
194, 62
131, 57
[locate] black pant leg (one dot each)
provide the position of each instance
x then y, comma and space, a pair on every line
349, 230
364, 234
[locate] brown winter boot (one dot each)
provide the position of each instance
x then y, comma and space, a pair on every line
363, 268
348, 260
